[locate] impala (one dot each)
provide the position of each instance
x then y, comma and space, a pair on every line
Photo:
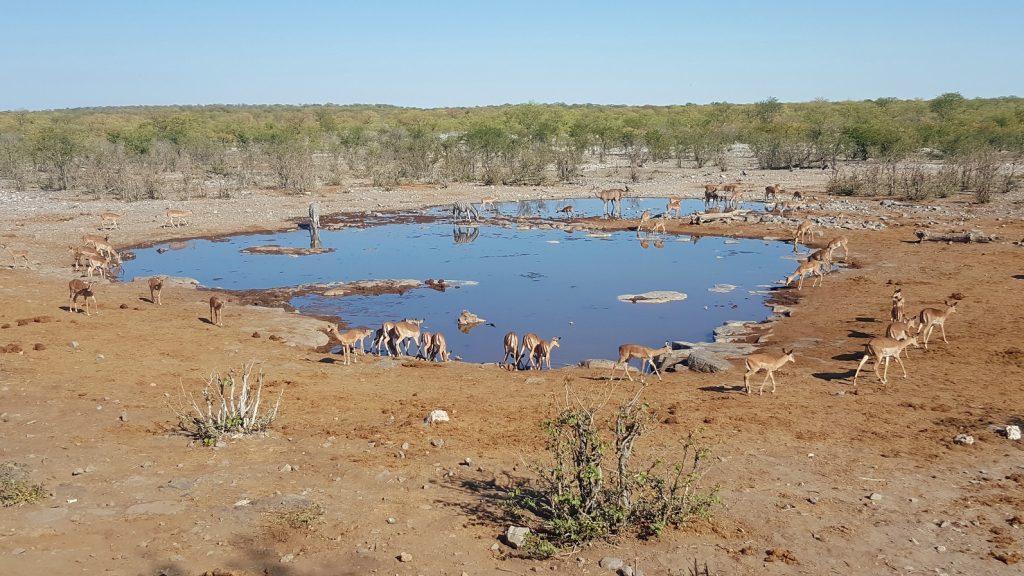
883, 349
767, 362
646, 356
929, 318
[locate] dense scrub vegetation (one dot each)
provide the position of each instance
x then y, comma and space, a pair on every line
152, 152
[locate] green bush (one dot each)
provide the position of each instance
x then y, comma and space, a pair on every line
581, 497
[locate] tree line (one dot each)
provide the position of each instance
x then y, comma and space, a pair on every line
150, 152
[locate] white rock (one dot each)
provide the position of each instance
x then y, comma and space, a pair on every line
653, 297
437, 416
516, 536
722, 288
963, 439
1013, 432
611, 563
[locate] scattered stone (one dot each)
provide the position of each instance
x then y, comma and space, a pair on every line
287, 558
535, 380
405, 446
405, 557
944, 524
124, 416
467, 462
707, 362
183, 484
940, 549
963, 439
875, 496
287, 468
243, 502
220, 444
39, 346
515, 536
18, 551
813, 499
391, 520
78, 472
437, 416
1012, 432
437, 442
781, 555
73, 344
611, 563
255, 334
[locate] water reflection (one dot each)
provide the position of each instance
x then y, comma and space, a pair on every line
465, 234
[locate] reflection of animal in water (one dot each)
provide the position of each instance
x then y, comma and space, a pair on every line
487, 201
463, 211
465, 234
566, 210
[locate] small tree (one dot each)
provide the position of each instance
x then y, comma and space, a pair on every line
58, 145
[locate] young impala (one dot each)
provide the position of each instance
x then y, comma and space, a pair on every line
767, 362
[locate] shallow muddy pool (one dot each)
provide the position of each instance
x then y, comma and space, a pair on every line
550, 282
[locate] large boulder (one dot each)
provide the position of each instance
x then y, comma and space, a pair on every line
707, 362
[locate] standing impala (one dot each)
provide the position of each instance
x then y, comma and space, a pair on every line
511, 343
530, 341
542, 352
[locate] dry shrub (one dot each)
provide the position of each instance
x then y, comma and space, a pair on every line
15, 487
229, 405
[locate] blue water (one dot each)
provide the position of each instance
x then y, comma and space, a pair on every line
526, 282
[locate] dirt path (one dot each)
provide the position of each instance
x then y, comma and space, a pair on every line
92, 395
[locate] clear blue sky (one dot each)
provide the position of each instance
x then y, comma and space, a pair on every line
57, 54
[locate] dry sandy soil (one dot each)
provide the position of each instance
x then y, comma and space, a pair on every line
795, 469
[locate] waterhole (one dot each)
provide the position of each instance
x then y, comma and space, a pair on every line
548, 281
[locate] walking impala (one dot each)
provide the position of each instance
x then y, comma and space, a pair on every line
929, 318
767, 362
646, 356
883, 349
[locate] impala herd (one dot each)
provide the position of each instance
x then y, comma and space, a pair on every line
97, 256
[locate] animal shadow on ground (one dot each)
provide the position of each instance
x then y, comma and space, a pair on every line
849, 356
1019, 276
144, 299
865, 319
487, 503
830, 376
725, 389
859, 334
205, 320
